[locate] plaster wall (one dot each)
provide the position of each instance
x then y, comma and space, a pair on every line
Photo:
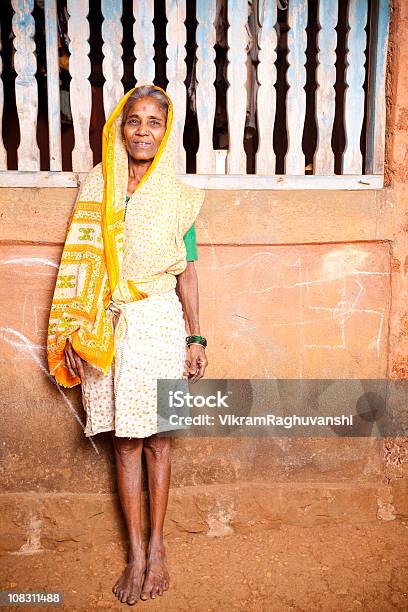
295, 284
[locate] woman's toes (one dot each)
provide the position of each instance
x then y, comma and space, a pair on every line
132, 599
117, 587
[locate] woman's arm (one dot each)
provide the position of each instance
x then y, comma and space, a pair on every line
187, 290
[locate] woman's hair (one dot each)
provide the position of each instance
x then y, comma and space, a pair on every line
141, 92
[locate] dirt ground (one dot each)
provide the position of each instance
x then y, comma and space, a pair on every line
340, 567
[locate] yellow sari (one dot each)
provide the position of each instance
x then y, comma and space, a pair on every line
89, 275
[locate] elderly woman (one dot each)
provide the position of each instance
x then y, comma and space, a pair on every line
123, 296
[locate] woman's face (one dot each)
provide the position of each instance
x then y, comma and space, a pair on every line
144, 128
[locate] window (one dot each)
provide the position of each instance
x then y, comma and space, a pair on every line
267, 93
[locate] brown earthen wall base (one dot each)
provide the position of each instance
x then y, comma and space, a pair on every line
292, 285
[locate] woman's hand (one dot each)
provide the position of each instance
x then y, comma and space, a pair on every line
187, 291
73, 361
196, 362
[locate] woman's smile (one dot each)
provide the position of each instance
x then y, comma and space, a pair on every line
142, 144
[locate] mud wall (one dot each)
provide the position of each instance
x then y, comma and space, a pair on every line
292, 284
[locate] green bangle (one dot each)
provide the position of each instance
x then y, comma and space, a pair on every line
196, 340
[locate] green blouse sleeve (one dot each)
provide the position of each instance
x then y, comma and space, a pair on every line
191, 244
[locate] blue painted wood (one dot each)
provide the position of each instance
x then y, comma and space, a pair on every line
237, 93
80, 87
376, 87
354, 94
266, 98
26, 86
325, 94
205, 92
296, 79
143, 35
112, 65
25, 64
3, 154
176, 73
53, 94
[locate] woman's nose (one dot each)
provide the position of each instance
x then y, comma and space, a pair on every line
142, 129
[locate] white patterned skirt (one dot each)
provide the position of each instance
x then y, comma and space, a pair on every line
149, 344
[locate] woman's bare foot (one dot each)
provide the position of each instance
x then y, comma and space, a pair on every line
129, 584
157, 577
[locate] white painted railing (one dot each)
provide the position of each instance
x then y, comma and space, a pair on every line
212, 164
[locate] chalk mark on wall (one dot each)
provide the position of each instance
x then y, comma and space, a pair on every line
342, 265
23, 344
30, 261
247, 338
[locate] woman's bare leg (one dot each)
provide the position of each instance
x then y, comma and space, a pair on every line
157, 452
128, 455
